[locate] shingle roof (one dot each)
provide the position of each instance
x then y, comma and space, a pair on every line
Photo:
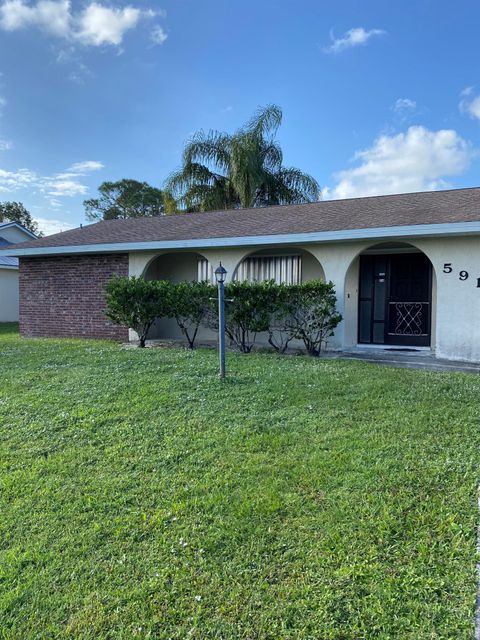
432, 207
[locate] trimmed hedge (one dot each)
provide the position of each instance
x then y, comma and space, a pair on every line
305, 312
136, 303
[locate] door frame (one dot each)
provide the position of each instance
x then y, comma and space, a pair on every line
393, 340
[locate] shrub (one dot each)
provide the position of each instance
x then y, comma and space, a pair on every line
136, 303
312, 315
304, 312
247, 310
189, 305
279, 331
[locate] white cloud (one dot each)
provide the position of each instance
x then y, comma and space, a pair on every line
77, 170
13, 180
49, 226
52, 16
87, 166
67, 184
404, 104
352, 38
417, 160
3, 102
469, 103
99, 25
60, 185
5, 145
96, 25
55, 204
404, 109
80, 73
158, 35
52, 188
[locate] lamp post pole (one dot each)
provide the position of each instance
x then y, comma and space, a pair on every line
220, 273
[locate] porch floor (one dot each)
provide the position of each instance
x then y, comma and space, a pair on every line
407, 359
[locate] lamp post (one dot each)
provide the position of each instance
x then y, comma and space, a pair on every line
220, 274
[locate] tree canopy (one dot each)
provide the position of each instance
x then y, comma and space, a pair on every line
16, 212
245, 169
126, 199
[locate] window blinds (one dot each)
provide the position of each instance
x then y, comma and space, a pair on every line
204, 271
282, 269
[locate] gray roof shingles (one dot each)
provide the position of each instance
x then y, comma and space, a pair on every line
432, 207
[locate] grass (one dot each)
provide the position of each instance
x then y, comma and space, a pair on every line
301, 499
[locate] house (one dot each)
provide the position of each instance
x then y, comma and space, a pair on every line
406, 268
10, 234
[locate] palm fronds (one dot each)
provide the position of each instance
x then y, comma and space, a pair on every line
223, 171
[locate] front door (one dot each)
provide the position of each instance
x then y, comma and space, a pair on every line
395, 299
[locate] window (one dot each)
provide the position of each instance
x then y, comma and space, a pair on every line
282, 269
204, 271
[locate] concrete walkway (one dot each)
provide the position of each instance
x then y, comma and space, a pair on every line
408, 359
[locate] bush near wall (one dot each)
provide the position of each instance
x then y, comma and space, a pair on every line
305, 312
189, 304
248, 308
136, 303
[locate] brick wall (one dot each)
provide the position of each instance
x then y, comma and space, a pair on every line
64, 296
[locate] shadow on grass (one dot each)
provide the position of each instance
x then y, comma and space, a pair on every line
9, 329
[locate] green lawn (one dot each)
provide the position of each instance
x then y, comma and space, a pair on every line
301, 499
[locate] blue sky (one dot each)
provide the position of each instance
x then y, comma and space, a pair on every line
378, 97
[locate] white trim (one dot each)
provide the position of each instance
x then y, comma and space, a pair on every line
9, 267
406, 231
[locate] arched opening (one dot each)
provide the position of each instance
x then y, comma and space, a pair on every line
176, 267
390, 297
284, 265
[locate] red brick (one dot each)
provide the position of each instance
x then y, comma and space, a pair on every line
64, 296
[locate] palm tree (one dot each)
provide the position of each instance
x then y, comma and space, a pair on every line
222, 171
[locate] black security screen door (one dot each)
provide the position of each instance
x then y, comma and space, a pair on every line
395, 299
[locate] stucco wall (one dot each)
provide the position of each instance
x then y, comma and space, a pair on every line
455, 303
8, 295
458, 301
182, 265
176, 267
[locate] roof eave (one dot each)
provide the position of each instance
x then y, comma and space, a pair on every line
345, 235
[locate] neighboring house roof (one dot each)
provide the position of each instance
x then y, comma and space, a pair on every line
6, 261
11, 231
325, 220
6, 225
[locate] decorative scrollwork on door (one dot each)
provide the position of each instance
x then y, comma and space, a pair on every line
408, 318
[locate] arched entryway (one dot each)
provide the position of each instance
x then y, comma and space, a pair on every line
283, 265
176, 267
390, 297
